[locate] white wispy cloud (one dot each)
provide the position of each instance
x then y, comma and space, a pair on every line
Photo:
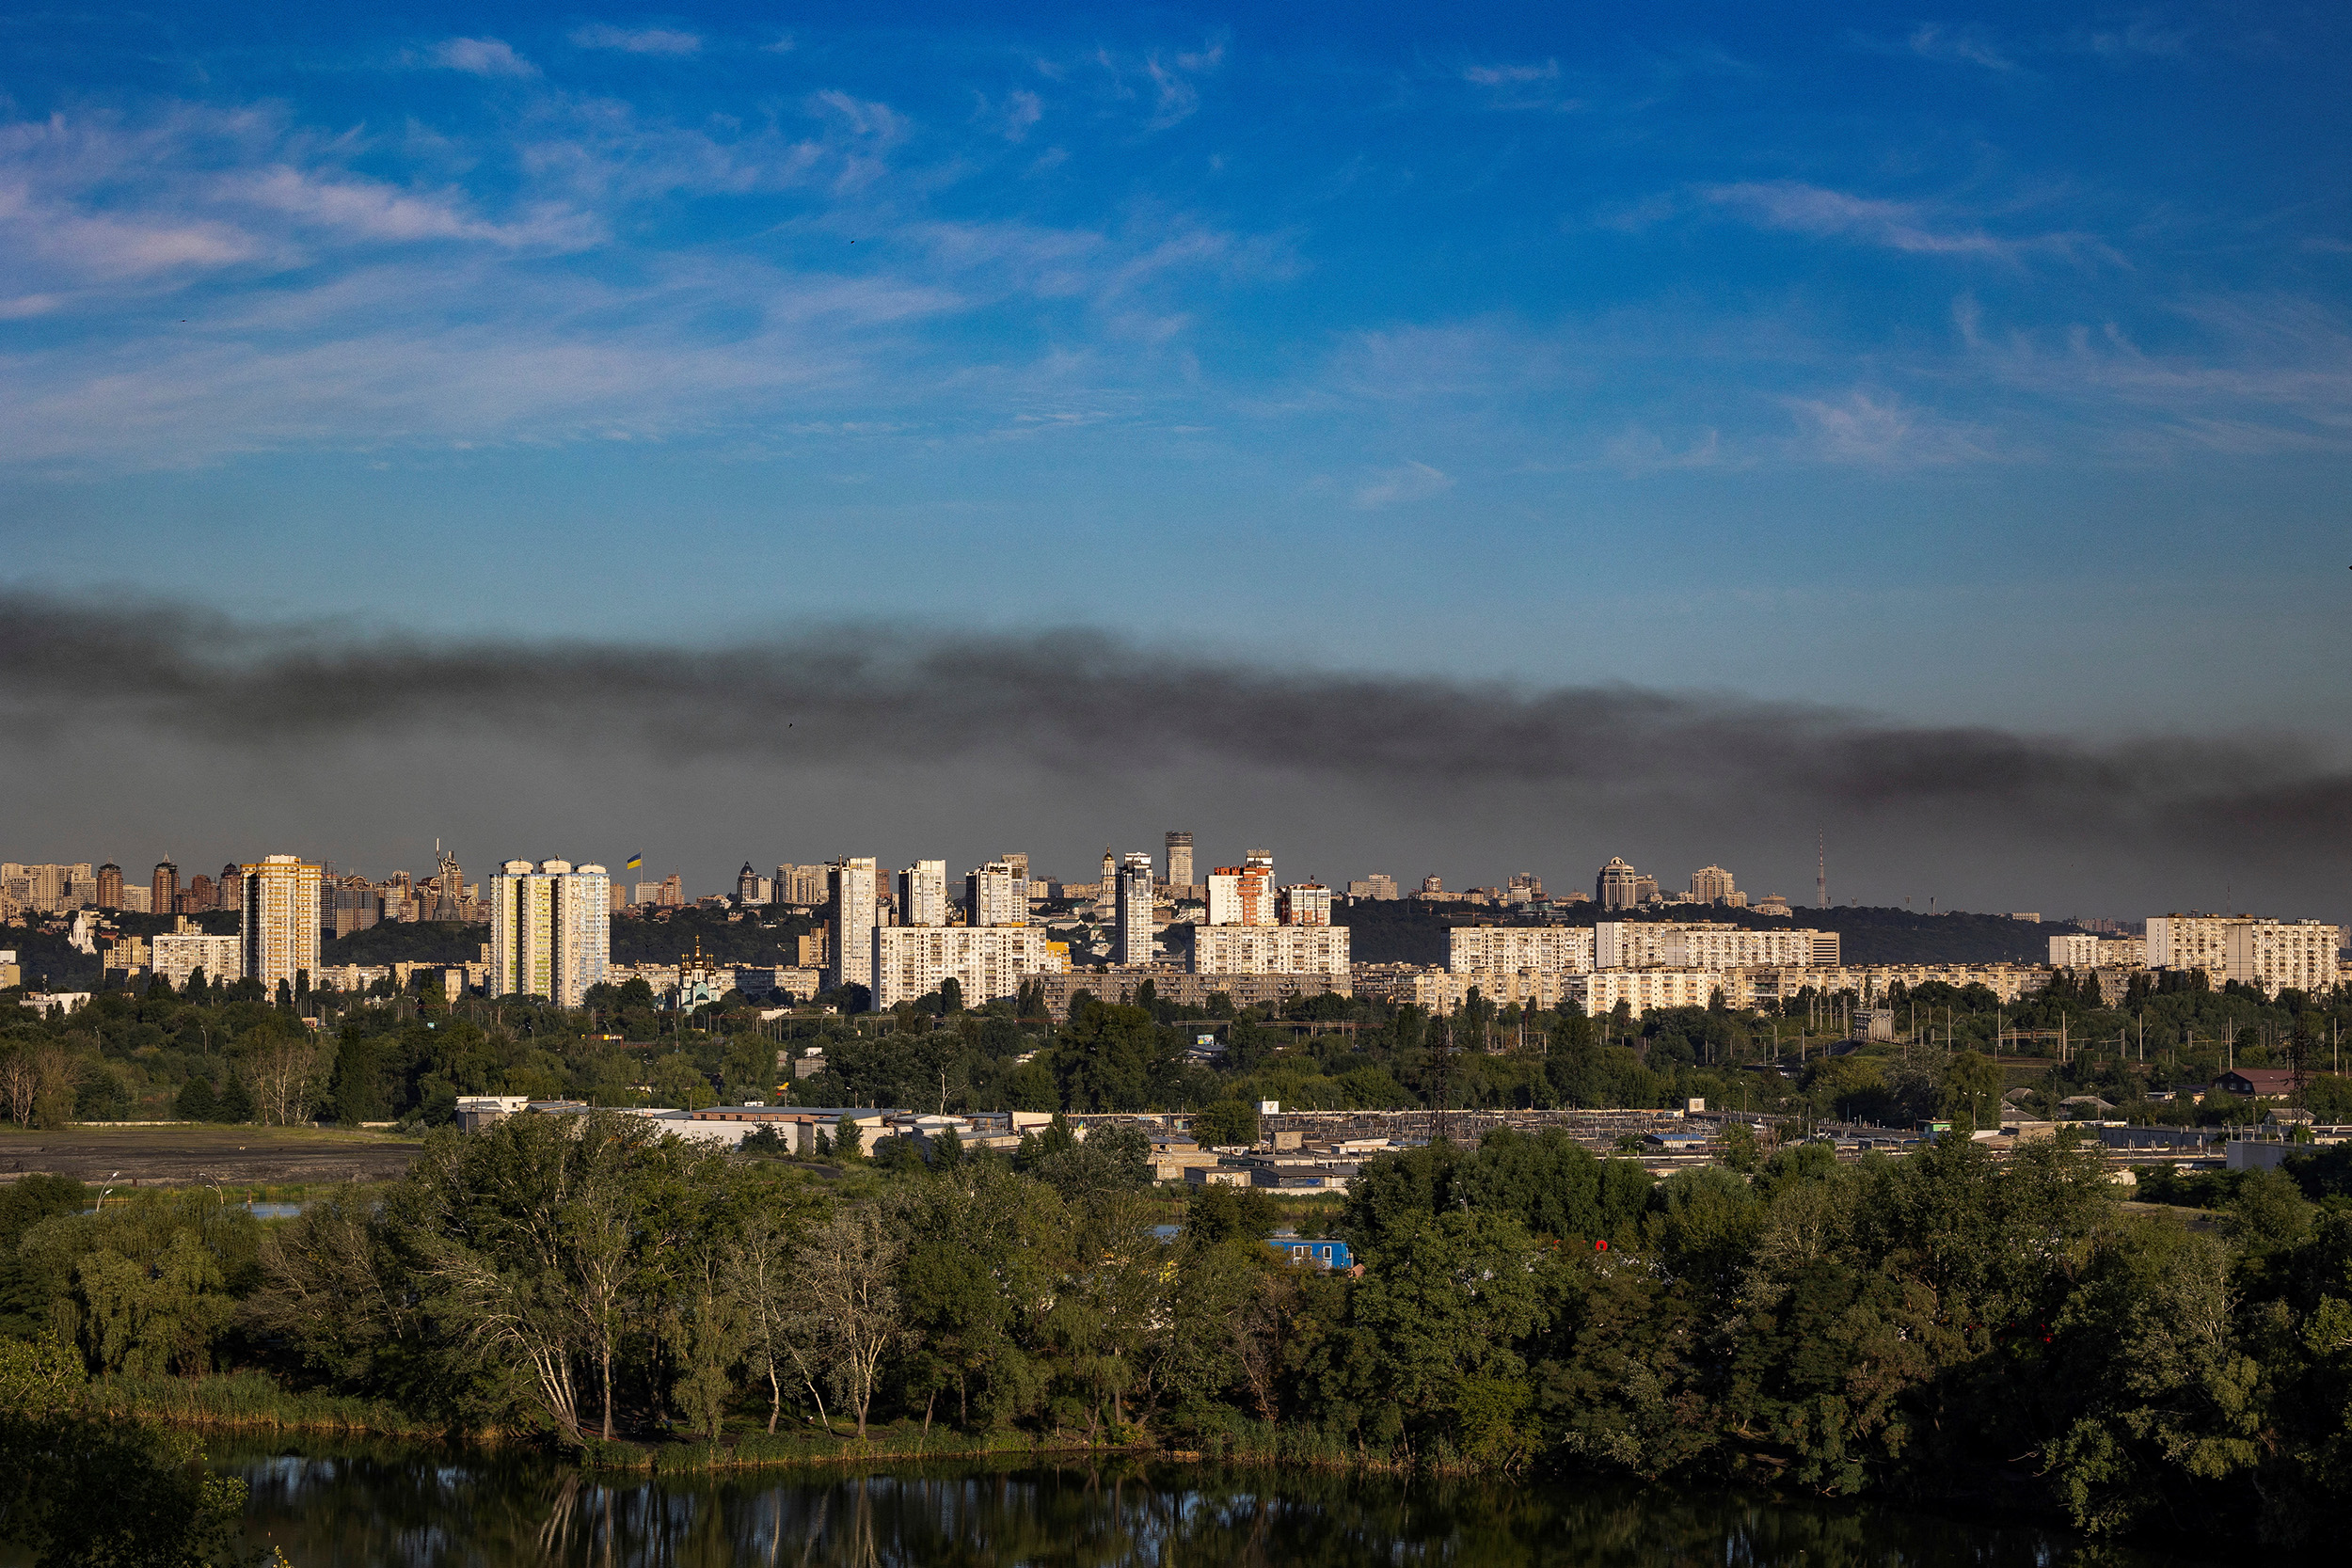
2254, 375
639, 41
1410, 481
373, 210
1510, 76
1959, 45
1795, 207
481, 57
1877, 429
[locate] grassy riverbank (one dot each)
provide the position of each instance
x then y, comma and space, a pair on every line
253, 1401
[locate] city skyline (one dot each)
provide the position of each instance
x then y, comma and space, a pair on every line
799, 745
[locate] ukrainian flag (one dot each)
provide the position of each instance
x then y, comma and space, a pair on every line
635, 861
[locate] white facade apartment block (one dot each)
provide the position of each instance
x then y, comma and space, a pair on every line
1306, 904
1663, 944
1437, 991
1768, 986
997, 893
1241, 896
2277, 953
279, 934
986, 961
853, 907
1711, 884
2089, 950
2280, 954
1508, 949
923, 894
1270, 949
550, 931
1643, 988
1132, 940
176, 955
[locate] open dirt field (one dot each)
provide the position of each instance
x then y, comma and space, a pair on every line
190, 1156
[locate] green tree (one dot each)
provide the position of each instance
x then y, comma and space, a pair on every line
78, 1491
679, 1081
1971, 1095
1225, 1123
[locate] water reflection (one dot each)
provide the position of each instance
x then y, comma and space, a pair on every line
364, 1505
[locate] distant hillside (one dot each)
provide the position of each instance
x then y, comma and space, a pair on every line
1403, 931
742, 942
1393, 931
415, 942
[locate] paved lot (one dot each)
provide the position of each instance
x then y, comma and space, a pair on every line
189, 1156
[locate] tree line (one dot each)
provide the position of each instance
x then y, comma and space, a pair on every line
1946, 1325
227, 1053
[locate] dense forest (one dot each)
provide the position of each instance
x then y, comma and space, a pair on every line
1946, 1326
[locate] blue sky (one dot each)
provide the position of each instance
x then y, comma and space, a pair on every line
1987, 365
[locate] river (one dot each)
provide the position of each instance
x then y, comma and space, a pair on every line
362, 1505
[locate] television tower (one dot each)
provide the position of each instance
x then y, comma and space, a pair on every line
1821, 875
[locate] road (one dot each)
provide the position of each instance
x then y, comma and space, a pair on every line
191, 1156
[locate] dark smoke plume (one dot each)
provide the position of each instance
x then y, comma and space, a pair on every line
1082, 700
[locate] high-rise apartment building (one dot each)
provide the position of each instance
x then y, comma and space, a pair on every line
2276, 953
50, 889
995, 895
550, 931
673, 894
1383, 885
923, 895
1130, 942
110, 886
1106, 891
1179, 859
805, 885
138, 898
1618, 886
1653, 944
646, 893
1016, 861
1243, 894
909, 962
1711, 884
229, 892
747, 886
850, 908
1305, 904
1508, 949
1270, 950
278, 930
164, 888
199, 895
